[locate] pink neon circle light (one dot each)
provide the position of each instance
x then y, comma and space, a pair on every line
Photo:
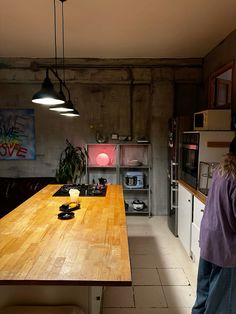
102, 159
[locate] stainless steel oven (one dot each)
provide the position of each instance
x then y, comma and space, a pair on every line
199, 146
189, 158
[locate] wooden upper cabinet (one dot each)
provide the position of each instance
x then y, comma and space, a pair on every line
220, 87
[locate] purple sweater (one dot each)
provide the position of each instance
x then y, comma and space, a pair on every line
218, 226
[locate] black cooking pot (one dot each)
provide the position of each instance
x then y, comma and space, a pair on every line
102, 181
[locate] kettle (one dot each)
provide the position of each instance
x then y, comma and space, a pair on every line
102, 181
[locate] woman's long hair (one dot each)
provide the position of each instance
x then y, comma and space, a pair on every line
227, 166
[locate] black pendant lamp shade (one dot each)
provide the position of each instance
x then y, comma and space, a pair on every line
47, 95
66, 107
73, 113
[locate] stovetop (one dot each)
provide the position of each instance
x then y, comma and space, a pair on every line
85, 189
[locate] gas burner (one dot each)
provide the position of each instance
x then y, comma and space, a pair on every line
85, 189
66, 187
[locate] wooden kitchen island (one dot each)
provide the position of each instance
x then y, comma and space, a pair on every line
45, 260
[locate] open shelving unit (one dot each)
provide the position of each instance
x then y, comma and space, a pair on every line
114, 163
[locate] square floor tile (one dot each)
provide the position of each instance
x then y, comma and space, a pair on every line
143, 249
157, 258
119, 311
179, 310
142, 261
167, 260
173, 276
151, 311
118, 297
145, 277
176, 296
142, 245
149, 296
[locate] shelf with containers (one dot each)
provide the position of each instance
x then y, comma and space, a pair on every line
125, 164
135, 176
102, 163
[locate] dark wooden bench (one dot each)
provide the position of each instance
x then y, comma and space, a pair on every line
14, 191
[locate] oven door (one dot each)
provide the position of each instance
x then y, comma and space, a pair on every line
189, 164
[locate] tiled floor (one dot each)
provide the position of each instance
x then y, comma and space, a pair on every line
163, 276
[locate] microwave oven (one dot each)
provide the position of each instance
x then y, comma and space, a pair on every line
212, 119
134, 180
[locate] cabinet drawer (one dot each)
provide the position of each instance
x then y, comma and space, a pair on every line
198, 209
195, 250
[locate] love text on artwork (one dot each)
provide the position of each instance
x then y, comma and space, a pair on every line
12, 149
13, 136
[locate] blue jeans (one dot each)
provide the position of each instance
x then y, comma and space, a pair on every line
216, 289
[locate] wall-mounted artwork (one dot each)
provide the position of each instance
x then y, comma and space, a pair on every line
17, 134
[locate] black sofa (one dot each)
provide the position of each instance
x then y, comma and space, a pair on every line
14, 191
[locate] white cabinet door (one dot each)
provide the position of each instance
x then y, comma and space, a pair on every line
185, 201
198, 209
195, 250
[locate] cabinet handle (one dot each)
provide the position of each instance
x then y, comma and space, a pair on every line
202, 210
189, 201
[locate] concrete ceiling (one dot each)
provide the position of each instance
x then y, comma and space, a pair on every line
116, 29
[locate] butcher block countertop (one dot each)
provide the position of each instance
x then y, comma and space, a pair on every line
195, 192
91, 249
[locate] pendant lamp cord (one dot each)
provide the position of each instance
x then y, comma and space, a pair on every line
63, 39
55, 35
55, 72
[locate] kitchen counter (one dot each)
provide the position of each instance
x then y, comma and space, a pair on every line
91, 249
193, 191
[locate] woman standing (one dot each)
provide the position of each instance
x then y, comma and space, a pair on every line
216, 283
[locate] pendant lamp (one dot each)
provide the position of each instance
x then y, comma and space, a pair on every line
47, 94
63, 106
73, 113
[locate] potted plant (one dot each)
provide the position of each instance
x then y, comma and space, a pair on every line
72, 164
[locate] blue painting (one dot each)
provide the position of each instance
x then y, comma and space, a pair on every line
17, 134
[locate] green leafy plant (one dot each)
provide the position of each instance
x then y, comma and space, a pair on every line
72, 164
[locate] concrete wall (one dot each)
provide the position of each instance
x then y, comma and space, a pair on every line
128, 97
